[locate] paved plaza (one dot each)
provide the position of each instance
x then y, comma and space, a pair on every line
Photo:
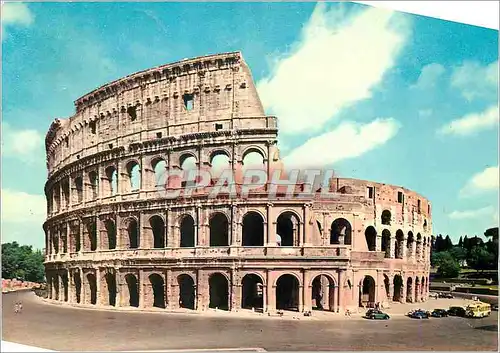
65, 328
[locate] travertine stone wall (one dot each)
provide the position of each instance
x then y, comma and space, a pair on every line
113, 238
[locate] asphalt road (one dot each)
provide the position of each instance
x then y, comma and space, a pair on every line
62, 328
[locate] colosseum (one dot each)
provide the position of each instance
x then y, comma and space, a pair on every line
114, 240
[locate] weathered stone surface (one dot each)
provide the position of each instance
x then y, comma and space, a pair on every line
112, 238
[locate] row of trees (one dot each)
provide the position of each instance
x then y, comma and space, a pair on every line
22, 262
469, 252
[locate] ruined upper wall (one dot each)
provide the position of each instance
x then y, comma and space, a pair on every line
204, 94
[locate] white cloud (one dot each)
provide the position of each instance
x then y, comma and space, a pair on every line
475, 80
20, 207
429, 75
472, 123
486, 180
352, 140
26, 145
473, 214
17, 14
338, 61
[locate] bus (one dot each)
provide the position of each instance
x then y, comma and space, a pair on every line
478, 309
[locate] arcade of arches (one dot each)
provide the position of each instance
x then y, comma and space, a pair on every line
231, 290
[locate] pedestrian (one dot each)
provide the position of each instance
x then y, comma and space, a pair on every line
16, 308
20, 307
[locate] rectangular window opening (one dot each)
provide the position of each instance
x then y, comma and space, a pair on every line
418, 206
400, 197
370, 192
218, 127
188, 101
110, 146
92, 127
158, 135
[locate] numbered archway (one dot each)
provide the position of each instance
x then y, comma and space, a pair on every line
323, 293
287, 293
133, 290
219, 291
187, 292
367, 292
252, 294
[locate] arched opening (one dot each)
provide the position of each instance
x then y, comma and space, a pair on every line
160, 172
252, 159
133, 233
409, 244
387, 287
111, 284
92, 232
385, 218
252, 292
187, 232
400, 239
253, 229
219, 162
371, 238
64, 279
65, 191
409, 290
91, 280
94, 185
111, 233
78, 287
219, 291
287, 293
386, 243
219, 230
134, 176
55, 243
416, 296
367, 293
398, 288
158, 286
340, 232
111, 181
188, 164
79, 189
323, 293
158, 230
418, 254
133, 290
186, 292
287, 229
55, 287
423, 289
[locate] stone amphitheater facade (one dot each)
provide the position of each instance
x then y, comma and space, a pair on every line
114, 240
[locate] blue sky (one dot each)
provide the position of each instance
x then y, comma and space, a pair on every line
378, 95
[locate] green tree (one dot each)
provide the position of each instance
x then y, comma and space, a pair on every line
447, 265
458, 253
22, 262
480, 258
460, 242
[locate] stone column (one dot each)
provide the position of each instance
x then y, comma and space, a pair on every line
271, 296
271, 237
340, 290
378, 242
235, 288
168, 289
197, 227
98, 285
392, 242
70, 285
234, 227
119, 289
301, 294
142, 288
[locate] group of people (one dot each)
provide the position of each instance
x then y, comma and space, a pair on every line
18, 307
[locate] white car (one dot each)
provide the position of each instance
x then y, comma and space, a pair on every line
433, 295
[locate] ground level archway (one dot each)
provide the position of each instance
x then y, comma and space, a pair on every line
323, 293
252, 292
219, 291
287, 293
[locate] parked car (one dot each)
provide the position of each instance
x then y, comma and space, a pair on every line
494, 307
456, 311
419, 314
375, 314
446, 295
439, 313
433, 295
